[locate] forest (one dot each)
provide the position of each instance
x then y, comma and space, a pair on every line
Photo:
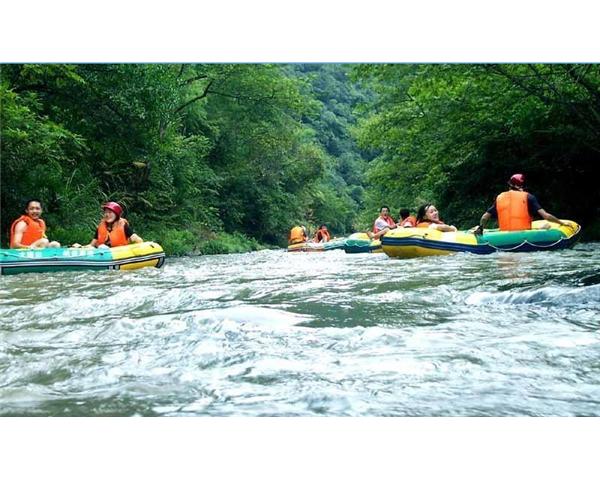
219, 158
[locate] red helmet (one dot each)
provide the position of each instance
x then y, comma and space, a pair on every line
517, 180
114, 207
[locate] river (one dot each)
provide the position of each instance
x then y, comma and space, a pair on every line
308, 334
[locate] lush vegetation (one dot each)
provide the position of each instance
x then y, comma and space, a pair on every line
223, 158
339, 195
199, 155
453, 135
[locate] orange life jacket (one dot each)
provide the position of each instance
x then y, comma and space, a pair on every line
35, 230
323, 235
117, 234
426, 223
296, 236
513, 213
389, 220
409, 221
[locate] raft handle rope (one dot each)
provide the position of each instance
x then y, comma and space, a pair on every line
500, 249
98, 252
527, 242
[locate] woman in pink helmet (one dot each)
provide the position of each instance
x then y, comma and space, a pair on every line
113, 230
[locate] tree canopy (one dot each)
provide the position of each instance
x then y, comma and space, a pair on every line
454, 134
193, 151
234, 148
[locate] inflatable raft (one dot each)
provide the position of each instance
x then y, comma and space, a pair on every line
333, 244
422, 242
130, 257
361, 243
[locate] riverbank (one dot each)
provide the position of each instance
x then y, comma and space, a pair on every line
195, 240
202, 242
198, 240
205, 242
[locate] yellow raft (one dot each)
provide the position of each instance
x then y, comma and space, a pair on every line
422, 242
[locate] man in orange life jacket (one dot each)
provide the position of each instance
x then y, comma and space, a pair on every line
113, 230
29, 230
515, 208
322, 235
383, 224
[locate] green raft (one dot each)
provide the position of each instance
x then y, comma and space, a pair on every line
361, 243
333, 244
130, 257
423, 242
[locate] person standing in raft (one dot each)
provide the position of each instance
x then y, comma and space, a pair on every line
298, 234
515, 208
322, 235
29, 230
383, 224
429, 217
406, 219
113, 230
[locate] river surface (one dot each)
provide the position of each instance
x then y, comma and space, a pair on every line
308, 334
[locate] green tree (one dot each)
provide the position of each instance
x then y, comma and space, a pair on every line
453, 134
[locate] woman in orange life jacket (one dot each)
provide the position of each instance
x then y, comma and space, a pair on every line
29, 230
383, 224
322, 235
429, 217
515, 208
113, 230
406, 219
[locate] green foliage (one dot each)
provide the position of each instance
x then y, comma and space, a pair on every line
453, 134
229, 243
338, 197
40, 158
68, 235
199, 241
216, 158
186, 149
175, 242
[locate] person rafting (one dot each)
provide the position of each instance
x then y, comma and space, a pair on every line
113, 230
515, 208
29, 230
298, 234
429, 217
322, 235
383, 224
406, 219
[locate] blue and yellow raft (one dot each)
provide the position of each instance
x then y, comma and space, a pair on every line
422, 242
130, 257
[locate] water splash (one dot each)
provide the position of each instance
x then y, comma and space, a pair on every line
271, 333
